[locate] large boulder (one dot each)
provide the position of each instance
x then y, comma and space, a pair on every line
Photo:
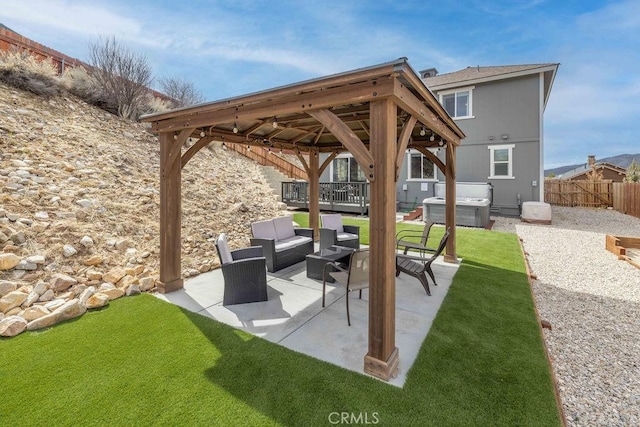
33, 313
114, 275
61, 282
12, 326
6, 287
8, 261
68, 310
97, 300
12, 300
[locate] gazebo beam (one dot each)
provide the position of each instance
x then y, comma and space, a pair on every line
433, 158
348, 138
411, 104
403, 141
382, 358
352, 94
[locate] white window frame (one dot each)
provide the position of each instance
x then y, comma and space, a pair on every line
456, 91
435, 168
492, 163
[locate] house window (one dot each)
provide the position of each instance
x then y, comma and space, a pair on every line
501, 159
458, 103
420, 167
346, 169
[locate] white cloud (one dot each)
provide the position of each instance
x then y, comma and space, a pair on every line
73, 17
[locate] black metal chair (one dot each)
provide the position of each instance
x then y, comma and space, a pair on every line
244, 272
354, 278
419, 266
403, 242
334, 233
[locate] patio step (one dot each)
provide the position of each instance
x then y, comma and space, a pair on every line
415, 214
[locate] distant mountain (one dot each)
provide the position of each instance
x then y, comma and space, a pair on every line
622, 160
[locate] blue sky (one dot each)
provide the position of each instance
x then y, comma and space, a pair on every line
229, 48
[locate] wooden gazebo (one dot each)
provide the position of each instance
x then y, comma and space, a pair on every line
376, 113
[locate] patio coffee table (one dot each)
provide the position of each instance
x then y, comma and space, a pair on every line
317, 260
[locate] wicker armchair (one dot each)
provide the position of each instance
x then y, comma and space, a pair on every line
244, 272
334, 233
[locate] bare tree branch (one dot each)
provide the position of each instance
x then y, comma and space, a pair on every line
124, 76
182, 92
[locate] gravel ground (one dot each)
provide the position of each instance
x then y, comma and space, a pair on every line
592, 301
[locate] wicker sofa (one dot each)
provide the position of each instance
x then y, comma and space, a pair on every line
282, 244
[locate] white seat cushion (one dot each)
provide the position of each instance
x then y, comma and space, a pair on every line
333, 221
284, 227
346, 236
291, 242
223, 249
264, 230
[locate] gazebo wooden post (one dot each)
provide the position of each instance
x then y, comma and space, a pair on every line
170, 213
382, 357
450, 193
314, 192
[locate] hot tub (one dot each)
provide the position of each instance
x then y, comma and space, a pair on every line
473, 204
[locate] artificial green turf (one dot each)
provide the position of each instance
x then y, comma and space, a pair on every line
142, 361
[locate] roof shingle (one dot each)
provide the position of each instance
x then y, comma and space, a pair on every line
474, 73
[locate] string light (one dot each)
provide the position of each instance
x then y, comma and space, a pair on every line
423, 131
275, 123
432, 137
235, 127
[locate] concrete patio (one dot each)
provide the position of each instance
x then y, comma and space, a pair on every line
294, 317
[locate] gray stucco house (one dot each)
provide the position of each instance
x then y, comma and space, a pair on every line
500, 109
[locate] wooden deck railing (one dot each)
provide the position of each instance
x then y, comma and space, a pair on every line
333, 196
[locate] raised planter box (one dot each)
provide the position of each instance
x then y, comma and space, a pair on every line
625, 248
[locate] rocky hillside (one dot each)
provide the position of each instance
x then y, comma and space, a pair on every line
79, 196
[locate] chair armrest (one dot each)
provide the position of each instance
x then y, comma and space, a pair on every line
403, 234
328, 237
307, 232
332, 265
415, 258
245, 267
268, 245
353, 229
244, 253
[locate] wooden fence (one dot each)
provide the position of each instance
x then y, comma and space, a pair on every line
621, 196
578, 193
626, 198
12, 41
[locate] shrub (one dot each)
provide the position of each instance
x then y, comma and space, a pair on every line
123, 75
26, 72
79, 82
182, 92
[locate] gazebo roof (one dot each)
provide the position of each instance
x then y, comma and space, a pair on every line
278, 117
